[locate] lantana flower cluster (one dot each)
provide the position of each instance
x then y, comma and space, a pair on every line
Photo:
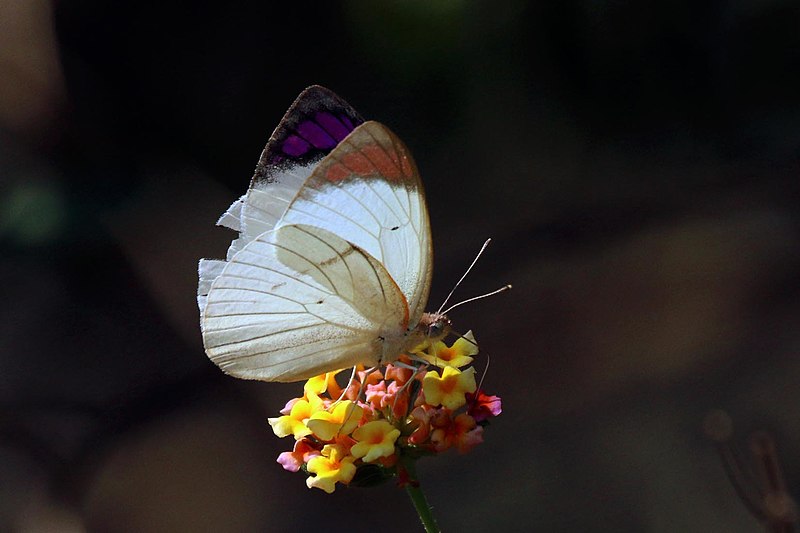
385, 418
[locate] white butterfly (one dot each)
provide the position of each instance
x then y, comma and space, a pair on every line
333, 262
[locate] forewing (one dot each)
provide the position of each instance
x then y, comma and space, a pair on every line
315, 124
368, 191
299, 301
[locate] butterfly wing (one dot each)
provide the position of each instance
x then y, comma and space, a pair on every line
315, 124
368, 191
326, 181
299, 301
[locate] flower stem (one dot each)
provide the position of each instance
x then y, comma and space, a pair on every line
418, 499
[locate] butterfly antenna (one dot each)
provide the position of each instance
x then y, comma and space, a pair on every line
482, 296
464, 276
404, 389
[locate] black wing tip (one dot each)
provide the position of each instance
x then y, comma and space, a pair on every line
306, 106
318, 98
317, 93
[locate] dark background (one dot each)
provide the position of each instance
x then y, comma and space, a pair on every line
635, 162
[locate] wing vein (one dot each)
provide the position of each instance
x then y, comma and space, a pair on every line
337, 213
262, 267
344, 261
267, 352
264, 336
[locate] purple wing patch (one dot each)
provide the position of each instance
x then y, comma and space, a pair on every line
295, 146
313, 126
316, 135
339, 128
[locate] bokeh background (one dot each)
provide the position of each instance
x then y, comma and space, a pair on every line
635, 162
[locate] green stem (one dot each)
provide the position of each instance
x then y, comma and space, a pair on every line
418, 499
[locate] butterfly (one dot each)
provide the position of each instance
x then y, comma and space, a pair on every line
333, 263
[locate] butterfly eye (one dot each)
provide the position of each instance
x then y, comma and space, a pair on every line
438, 327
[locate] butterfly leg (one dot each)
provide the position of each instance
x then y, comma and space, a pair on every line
361, 391
347, 387
415, 370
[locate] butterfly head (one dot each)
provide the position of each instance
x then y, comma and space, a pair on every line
434, 326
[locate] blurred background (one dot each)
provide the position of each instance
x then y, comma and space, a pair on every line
635, 162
